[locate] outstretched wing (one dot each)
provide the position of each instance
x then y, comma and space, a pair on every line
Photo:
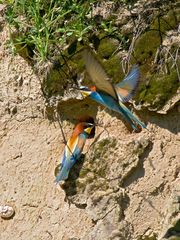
126, 89
97, 74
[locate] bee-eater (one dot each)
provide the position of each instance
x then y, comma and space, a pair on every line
109, 95
74, 147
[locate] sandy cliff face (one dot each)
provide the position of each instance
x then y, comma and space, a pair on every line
126, 186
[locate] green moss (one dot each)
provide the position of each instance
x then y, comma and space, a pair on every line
173, 232
177, 14
101, 156
107, 47
166, 22
159, 89
113, 68
98, 150
103, 147
81, 185
130, 1
23, 48
156, 89
83, 172
146, 46
101, 186
96, 167
55, 82
101, 170
76, 63
148, 238
63, 71
103, 143
176, 226
113, 143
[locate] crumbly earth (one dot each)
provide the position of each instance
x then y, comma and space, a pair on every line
132, 185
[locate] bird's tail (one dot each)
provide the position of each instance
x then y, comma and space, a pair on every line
62, 175
131, 117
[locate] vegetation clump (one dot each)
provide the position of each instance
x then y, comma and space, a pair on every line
159, 89
48, 24
56, 32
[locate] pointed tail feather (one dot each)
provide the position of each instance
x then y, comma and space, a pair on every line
62, 175
131, 116
128, 119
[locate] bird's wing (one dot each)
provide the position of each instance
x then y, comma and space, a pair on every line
80, 145
72, 152
74, 147
97, 74
126, 89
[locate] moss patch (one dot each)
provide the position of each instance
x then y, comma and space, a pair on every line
54, 83
96, 166
63, 73
159, 89
166, 22
83, 173
107, 47
156, 89
146, 47
113, 69
148, 238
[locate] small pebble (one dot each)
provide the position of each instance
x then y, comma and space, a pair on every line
6, 211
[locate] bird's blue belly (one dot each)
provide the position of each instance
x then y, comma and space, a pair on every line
105, 100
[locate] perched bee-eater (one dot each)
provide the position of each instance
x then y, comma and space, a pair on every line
74, 147
109, 95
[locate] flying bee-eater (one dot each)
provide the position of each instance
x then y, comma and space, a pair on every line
109, 95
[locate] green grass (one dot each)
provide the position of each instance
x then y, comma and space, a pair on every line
46, 24
44, 27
